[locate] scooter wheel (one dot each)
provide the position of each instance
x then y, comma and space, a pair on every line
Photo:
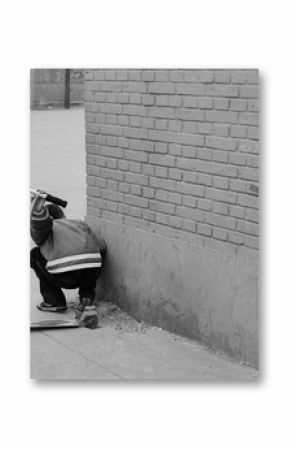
91, 322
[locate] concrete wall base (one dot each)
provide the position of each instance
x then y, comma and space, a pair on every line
196, 292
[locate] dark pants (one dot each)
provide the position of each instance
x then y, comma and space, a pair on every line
51, 284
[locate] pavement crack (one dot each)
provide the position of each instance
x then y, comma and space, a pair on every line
82, 355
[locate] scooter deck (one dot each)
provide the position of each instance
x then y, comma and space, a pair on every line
54, 324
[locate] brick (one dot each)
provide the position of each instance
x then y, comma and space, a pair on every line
248, 201
189, 177
161, 148
161, 124
175, 149
236, 237
188, 225
190, 102
250, 174
204, 229
249, 92
251, 242
148, 215
217, 90
243, 187
216, 168
175, 125
188, 213
161, 172
136, 201
136, 190
221, 116
238, 131
113, 196
237, 211
148, 192
138, 156
248, 146
161, 112
220, 182
204, 154
253, 105
253, 133
221, 130
124, 187
165, 184
220, 234
161, 88
221, 143
248, 227
221, 104
161, 207
147, 169
204, 128
111, 163
188, 200
198, 76
161, 195
220, 156
203, 179
239, 105
190, 189
148, 75
238, 159
135, 110
174, 101
222, 76
123, 120
220, 220
253, 76
137, 87
252, 215
161, 75
135, 98
203, 204
205, 103
161, 100
137, 179
174, 173
148, 100
135, 122
135, 167
165, 160
160, 218
221, 195
193, 115
239, 76
110, 108
190, 89
253, 161
249, 119
220, 208
190, 139
175, 222
190, 127
147, 122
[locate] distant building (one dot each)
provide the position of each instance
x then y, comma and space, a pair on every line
47, 87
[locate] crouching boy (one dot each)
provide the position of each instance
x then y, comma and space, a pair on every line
68, 255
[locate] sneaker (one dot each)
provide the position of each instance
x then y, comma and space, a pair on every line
85, 302
45, 307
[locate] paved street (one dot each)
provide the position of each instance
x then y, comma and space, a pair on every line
121, 348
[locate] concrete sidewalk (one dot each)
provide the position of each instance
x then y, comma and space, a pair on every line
121, 348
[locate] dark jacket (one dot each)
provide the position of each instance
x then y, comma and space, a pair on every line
67, 245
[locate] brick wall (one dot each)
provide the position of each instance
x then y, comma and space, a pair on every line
175, 152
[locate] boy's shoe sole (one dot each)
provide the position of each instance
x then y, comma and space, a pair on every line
49, 308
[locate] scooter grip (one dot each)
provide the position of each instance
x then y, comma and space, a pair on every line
56, 200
